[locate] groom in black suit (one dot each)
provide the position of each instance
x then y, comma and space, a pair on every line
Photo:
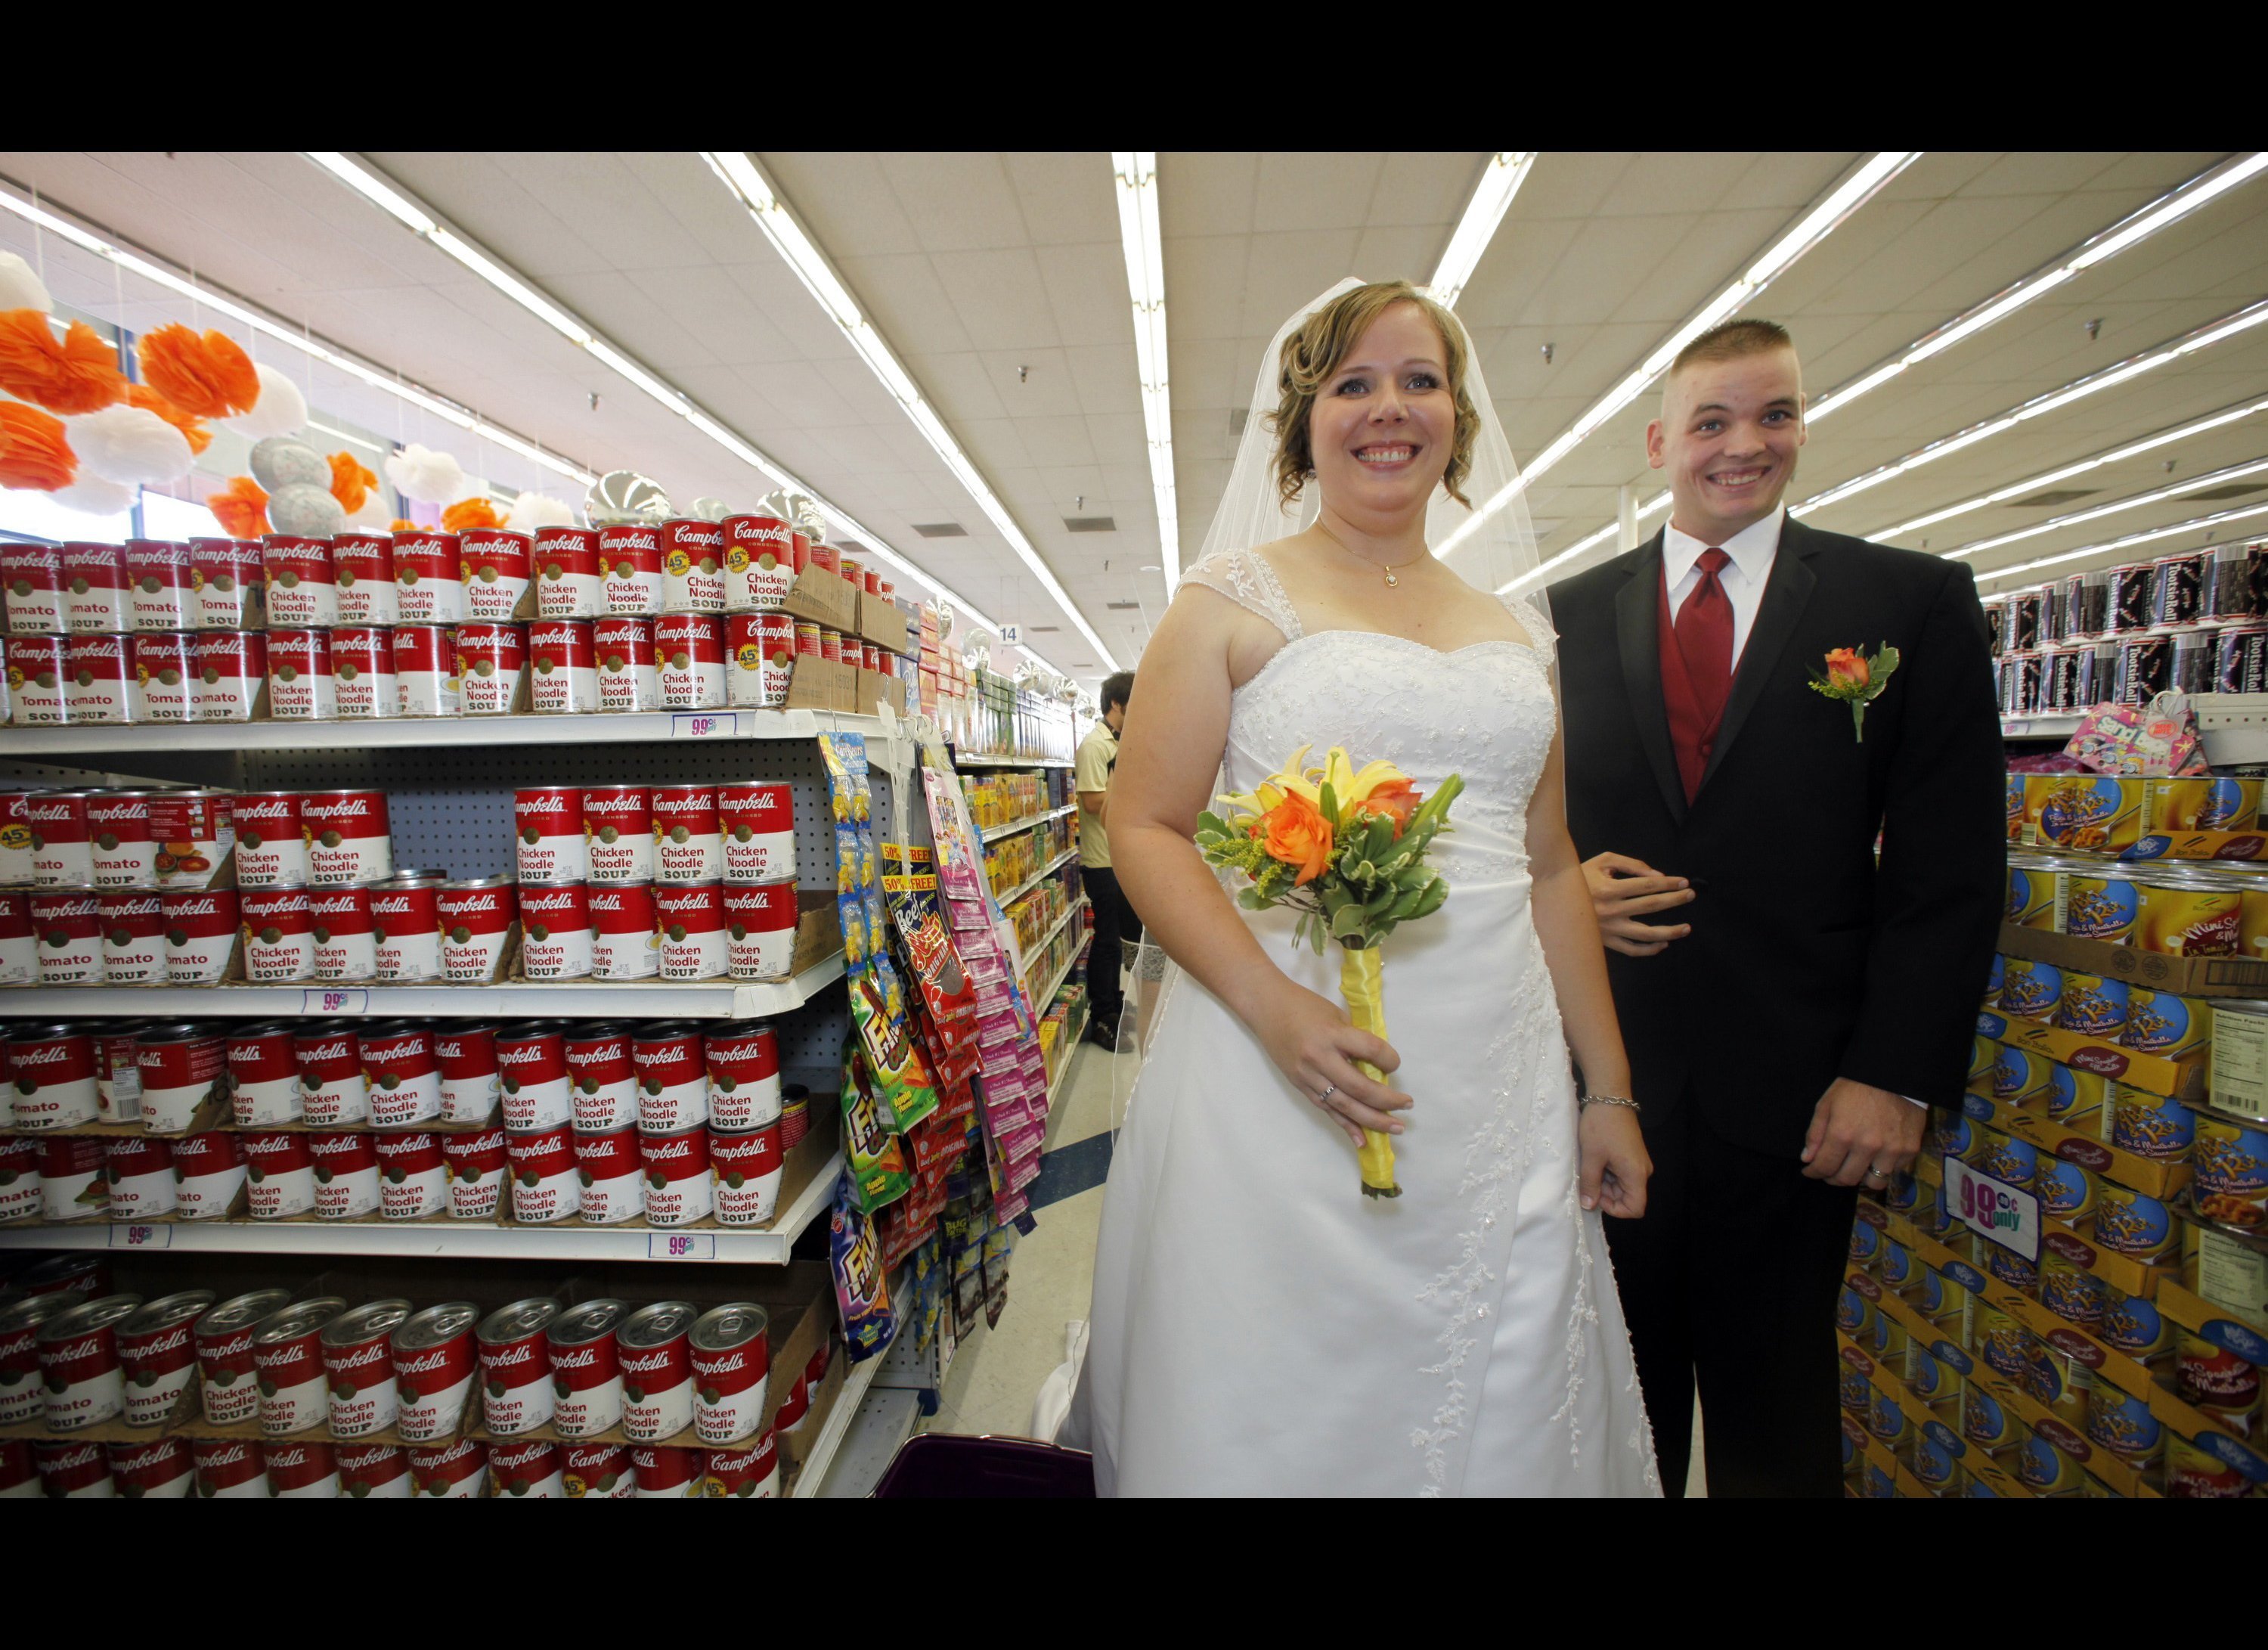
1791, 1008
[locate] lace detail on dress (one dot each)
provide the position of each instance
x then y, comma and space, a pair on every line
1249, 582
1541, 635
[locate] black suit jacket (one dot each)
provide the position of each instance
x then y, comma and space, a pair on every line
1806, 962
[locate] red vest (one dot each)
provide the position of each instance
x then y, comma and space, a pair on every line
1689, 736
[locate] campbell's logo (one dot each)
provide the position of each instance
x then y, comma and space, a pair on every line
473, 1145
363, 1357
267, 808
543, 804
510, 1357
200, 906
172, 1339
287, 1457
424, 1363
90, 556
350, 807
92, 1347
149, 1458
365, 1458
45, 811
103, 811
696, 802
724, 1366
338, 1049
678, 1151
505, 1457
561, 900
46, 1054
765, 531
132, 905
657, 1362
63, 1459
593, 1053
752, 1049
334, 905
451, 1048
224, 1455
711, 537
466, 904
394, 904
384, 1053
330, 1145
414, 1146
522, 1054
633, 539
562, 636
84, 647
422, 545
607, 805
577, 1357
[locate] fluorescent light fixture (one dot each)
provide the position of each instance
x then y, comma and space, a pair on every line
2133, 541
222, 303
413, 215
1535, 576
2149, 361
1491, 198
2096, 512
1136, 176
747, 181
1813, 227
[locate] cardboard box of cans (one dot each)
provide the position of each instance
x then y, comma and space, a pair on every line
339, 1386
422, 624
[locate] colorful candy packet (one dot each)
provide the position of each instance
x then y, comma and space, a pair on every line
862, 1290
900, 1076
874, 1162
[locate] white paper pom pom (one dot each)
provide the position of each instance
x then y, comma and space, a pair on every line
304, 508
91, 496
531, 510
128, 445
375, 512
281, 409
430, 478
20, 288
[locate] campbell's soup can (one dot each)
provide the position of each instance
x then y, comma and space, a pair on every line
665, 1471
654, 1348
164, 667
516, 1384
263, 1075
809, 639
477, 1165
761, 658
731, 1366
287, 1350
555, 928
689, 931
597, 1472
544, 1183
629, 568
619, 832
692, 566
97, 685
151, 1469
21, 1391
279, 935
222, 1338
435, 1358
679, 1188
121, 850
19, 1197
566, 567
533, 1061
426, 677
625, 942
563, 668
195, 831
470, 1079
672, 1079
300, 684
497, 571
301, 1470
19, 945
302, 585
139, 1170
346, 1174
133, 936
348, 837
229, 578
77, 1471
405, 916
454, 1472
491, 662
372, 1472
15, 837
63, 840
36, 668
346, 943
602, 1080
201, 934
760, 563
359, 1364
232, 682
334, 1091
610, 1177
475, 917
748, 1169
363, 682
586, 1376
79, 1364
758, 824
363, 564
94, 587
182, 1068
689, 840
73, 1184
208, 1171
548, 821
34, 576
760, 925
279, 1175
830, 646
229, 1469
751, 1474
533, 1470
629, 679
744, 1077
429, 578
70, 926
690, 660
271, 849
403, 1075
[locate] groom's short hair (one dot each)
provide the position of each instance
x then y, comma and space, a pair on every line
1730, 340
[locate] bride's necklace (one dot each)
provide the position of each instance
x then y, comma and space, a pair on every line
1392, 583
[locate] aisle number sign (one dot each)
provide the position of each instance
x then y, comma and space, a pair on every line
2006, 1214
1012, 635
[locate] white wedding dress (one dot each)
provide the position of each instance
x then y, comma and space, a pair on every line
1259, 1327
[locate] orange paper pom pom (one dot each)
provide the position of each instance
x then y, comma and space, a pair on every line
470, 513
241, 507
350, 482
34, 453
77, 373
210, 376
149, 401
401, 525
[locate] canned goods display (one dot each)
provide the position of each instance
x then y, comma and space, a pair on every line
157, 1355
300, 682
563, 666
732, 1369
362, 564
302, 582
492, 667
689, 661
425, 678
95, 588
568, 585
429, 578
496, 567
619, 832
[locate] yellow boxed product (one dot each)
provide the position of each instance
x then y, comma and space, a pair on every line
2160, 1177
2030, 990
2092, 1005
2204, 1459
2227, 1271
2097, 903
2149, 1125
2188, 917
2165, 1024
2180, 1076
2048, 1464
2031, 896
2020, 1078
2204, 803
2083, 810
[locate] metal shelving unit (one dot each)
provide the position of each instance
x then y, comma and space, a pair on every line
994, 833
962, 760
1037, 877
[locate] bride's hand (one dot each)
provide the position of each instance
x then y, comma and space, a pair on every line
1615, 1167
1313, 1042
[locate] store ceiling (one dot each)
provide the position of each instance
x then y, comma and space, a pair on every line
999, 281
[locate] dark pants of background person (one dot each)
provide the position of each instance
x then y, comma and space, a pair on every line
1731, 1277
1115, 922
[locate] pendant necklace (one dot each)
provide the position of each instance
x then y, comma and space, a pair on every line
1392, 583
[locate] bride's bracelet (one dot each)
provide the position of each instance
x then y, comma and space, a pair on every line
1609, 1100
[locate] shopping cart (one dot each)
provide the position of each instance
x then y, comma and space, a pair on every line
938, 1466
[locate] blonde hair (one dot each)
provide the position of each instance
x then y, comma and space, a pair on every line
1730, 340
1321, 346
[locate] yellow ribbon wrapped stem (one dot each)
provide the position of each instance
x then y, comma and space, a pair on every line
1362, 978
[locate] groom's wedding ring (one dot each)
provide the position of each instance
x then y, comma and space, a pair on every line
1875, 1174
1329, 1089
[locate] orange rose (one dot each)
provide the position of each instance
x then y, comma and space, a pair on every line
1397, 799
1845, 668
1297, 834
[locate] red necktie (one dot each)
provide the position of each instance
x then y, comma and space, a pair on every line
1705, 638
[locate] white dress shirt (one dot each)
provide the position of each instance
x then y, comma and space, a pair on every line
1752, 550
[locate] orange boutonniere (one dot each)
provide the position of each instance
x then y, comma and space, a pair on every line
1856, 680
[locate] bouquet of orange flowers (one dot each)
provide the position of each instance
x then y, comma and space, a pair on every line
1345, 848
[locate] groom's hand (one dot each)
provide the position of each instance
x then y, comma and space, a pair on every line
1856, 1128
1623, 890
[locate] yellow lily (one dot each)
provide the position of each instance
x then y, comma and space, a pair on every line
1349, 787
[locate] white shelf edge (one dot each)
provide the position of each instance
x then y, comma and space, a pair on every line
1040, 1002
961, 760
384, 733
457, 1240
1036, 878
838, 1427
994, 833
884, 1420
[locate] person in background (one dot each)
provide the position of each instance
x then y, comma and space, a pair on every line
1116, 925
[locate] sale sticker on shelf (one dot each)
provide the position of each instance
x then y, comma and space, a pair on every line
682, 1246
2006, 1214
141, 1237
335, 1000
704, 724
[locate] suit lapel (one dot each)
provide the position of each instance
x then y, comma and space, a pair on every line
1786, 592
1638, 638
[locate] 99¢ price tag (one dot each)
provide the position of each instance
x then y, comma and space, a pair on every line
141, 1237
2006, 1214
682, 1246
704, 724
337, 1000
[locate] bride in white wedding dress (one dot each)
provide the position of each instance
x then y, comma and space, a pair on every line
1259, 1328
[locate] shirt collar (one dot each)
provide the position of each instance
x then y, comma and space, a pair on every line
1751, 549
